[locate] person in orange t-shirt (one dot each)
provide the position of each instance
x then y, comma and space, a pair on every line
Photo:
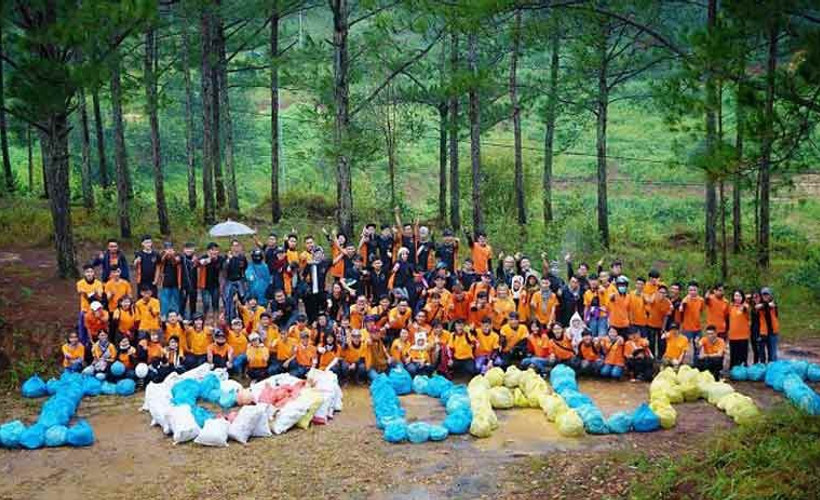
306, 356
768, 316
639, 360
543, 304
659, 309
691, 309
739, 329
479, 310
712, 351
459, 308
258, 356
539, 346
115, 289
96, 320
612, 347
619, 307
480, 251
561, 346
676, 347
73, 353
589, 351
487, 347
717, 310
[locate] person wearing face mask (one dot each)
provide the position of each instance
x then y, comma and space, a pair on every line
258, 277
769, 321
619, 307
543, 304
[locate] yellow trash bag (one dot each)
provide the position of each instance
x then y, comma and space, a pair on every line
478, 382
690, 391
687, 374
666, 413
714, 391
501, 397
519, 399
664, 388
316, 399
481, 426
513, 377
495, 376
669, 374
570, 424
553, 405
744, 412
727, 402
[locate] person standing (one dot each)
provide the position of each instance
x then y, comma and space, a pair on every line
90, 289
739, 330
211, 265
190, 281
170, 277
691, 309
112, 257
146, 264
768, 315
235, 266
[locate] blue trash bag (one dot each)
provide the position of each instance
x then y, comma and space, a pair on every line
739, 372
458, 422
56, 411
34, 387
126, 387
575, 399
437, 386
401, 381
227, 399
56, 436
108, 389
395, 431
418, 432
620, 423
451, 391
91, 386
209, 383
800, 367
117, 369
594, 421
80, 434
213, 396
813, 373
185, 392
201, 415
420, 384
10, 433
53, 386
438, 433
562, 377
645, 420
776, 373
382, 422
801, 395
34, 437
457, 402
756, 372
71, 378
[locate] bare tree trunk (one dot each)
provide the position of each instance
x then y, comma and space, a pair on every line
209, 157
390, 141
150, 79
736, 195
85, 166
276, 205
341, 92
475, 132
711, 142
4, 140
98, 130
549, 135
120, 154
455, 201
724, 259
601, 114
189, 115
30, 148
43, 169
442, 162
227, 123
216, 81
520, 202
766, 150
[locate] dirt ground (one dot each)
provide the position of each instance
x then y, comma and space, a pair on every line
524, 458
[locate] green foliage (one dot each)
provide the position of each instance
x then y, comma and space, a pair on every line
807, 274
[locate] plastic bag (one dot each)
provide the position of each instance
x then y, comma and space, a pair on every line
56, 436
458, 422
80, 434
756, 372
620, 423
713, 392
593, 419
686, 375
481, 426
801, 395
246, 421
159, 409
799, 367
501, 397
201, 415
34, 387
126, 387
438, 433
519, 399
34, 437
418, 432
562, 378
183, 424
645, 420
227, 400
209, 383
420, 384
185, 392
744, 412
401, 380
813, 373
570, 424
513, 377
478, 383
456, 403
665, 412
739, 372
262, 428
108, 389
395, 431
53, 385
495, 376
289, 414
10, 433
214, 433
553, 405
776, 373
56, 411
690, 391
315, 400
437, 386
91, 386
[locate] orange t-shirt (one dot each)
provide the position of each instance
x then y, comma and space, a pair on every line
658, 310
399, 350
481, 256
544, 313
613, 352
282, 349
95, 324
709, 348
85, 288
337, 270
477, 315
460, 308
632, 346
257, 356
197, 341
328, 356
692, 311
562, 348
72, 354
116, 290
305, 355
513, 336
764, 327
619, 306
397, 320
352, 354
462, 346
148, 314
541, 346
589, 352
675, 346
501, 311
637, 310
717, 312
486, 344
739, 326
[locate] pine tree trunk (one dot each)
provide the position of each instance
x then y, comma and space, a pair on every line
475, 131
150, 79
85, 167
711, 142
4, 140
736, 194
455, 194
341, 92
442, 163
218, 43
276, 204
390, 142
227, 123
549, 135
601, 115
120, 154
208, 154
763, 258
43, 169
189, 115
98, 130
724, 259
520, 200
30, 148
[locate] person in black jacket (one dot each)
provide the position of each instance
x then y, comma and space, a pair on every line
571, 301
190, 281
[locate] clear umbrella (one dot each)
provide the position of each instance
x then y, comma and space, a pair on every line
230, 228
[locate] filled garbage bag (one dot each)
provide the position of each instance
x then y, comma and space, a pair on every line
401, 381
813, 373
108, 388
201, 415
458, 422
437, 385
519, 399
227, 399
645, 420
34, 387
512, 377
553, 405
56, 410
713, 392
10, 433
495, 376
479, 382
756, 372
776, 373
575, 399
562, 377
126, 387
620, 423
80, 434
53, 385
799, 367
214, 433
501, 397
570, 424
185, 392
34, 437
117, 369
801, 395
420, 384
687, 374
418, 432
690, 391
56, 436
395, 431
666, 413
739, 372
91, 386
482, 425
594, 421
438, 433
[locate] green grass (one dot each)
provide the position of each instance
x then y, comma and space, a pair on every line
775, 458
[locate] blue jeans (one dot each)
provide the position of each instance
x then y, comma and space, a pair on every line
298, 370
771, 341
590, 367
356, 372
76, 366
275, 367
599, 326
239, 362
612, 371
168, 301
210, 300
482, 363
694, 338
414, 369
232, 288
541, 365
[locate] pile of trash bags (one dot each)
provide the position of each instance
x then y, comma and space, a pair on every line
52, 426
788, 377
390, 416
271, 406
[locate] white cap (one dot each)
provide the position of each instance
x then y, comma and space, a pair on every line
254, 336
96, 306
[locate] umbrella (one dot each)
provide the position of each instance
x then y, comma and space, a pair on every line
230, 228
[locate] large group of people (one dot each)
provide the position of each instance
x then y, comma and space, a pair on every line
398, 296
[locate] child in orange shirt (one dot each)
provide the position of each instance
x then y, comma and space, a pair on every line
589, 352
461, 345
691, 309
305, 357
329, 354
612, 347
258, 355
125, 317
638, 356
487, 347
538, 343
354, 357
419, 357
220, 354
73, 353
712, 350
104, 353
400, 348
281, 349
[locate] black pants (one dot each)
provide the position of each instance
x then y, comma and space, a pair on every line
314, 303
758, 354
257, 374
738, 352
714, 365
653, 335
641, 368
464, 366
187, 303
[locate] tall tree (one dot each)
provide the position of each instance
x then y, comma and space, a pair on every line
455, 193
276, 204
341, 100
226, 125
217, 46
4, 140
711, 140
602, 108
766, 145
30, 149
151, 104
85, 165
120, 153
740, 121
190, 155
550, 119
98, 131
520, 201
442, 139
210, 154
474, 112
